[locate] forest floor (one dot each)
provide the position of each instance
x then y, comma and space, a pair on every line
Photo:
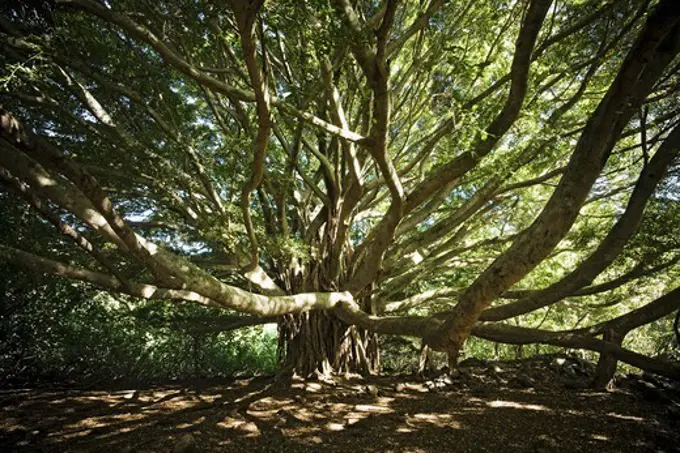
528, 406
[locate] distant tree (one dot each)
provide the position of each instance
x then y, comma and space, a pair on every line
352, 168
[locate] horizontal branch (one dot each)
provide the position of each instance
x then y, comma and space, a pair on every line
520, 335
47, 266
411, 326
648, 313
227, 297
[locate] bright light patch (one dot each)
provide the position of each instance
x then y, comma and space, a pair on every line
515, 405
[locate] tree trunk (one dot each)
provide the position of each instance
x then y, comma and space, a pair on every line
606, 365
319, 343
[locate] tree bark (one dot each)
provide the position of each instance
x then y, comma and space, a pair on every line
318, 343
606, 365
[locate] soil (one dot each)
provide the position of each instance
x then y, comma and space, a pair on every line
488, 408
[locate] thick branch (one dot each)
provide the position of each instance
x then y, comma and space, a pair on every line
609, 248
227, 297
13, 131
656, 46
520, 335
648, 313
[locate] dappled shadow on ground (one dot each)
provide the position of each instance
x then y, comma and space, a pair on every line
385, 414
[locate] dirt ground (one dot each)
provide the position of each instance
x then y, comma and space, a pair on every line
389, 414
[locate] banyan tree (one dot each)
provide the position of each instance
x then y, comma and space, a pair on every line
355, 168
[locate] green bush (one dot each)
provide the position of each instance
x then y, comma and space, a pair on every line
53, 330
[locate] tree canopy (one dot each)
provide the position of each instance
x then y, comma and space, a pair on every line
430, 169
